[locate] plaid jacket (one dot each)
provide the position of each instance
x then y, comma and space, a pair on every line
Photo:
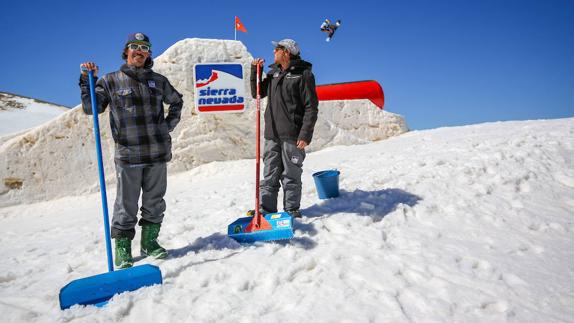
139, 127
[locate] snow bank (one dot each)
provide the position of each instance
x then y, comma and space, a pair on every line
58, 158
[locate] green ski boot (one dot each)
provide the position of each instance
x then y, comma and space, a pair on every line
123, 253
149, 245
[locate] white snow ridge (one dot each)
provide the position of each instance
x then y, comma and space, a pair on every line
18, 114
462, 224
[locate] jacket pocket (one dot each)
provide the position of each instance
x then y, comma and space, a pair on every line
124, 112
124, 98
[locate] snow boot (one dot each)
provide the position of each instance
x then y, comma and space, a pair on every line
252, 212
149, 245
295, 213
123, 253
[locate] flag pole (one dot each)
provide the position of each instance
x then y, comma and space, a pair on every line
235, 28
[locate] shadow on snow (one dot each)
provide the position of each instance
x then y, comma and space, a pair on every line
374, 204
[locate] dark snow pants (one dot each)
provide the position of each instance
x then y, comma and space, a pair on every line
151, 181
283, 164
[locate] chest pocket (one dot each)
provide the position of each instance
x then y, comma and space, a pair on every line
125, 99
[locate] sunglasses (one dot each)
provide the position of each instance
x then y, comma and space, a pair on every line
279, 48
140, 47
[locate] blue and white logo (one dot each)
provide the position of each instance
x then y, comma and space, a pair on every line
219, 87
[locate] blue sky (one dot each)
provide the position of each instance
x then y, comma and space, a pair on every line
441, 63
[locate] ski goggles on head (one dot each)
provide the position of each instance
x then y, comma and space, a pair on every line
140, 47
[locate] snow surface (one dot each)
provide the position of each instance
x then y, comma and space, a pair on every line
463, 224
19, 113
58, 158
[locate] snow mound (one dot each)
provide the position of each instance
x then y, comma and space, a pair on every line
58, 158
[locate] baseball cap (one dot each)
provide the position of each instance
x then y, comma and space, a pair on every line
289, 45
138, 38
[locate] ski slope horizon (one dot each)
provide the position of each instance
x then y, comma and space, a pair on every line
467, 224
19, 113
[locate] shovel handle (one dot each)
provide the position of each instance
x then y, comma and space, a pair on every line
257, 144
258, 222
101, 169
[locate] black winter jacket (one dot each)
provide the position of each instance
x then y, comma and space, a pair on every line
292, 102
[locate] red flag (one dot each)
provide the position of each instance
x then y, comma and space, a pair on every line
239, 26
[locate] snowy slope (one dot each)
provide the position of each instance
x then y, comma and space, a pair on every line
19, 113
465, 224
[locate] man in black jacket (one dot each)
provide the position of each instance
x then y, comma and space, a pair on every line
135, 95
290, 119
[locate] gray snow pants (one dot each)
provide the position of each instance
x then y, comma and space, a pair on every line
283, 164
151, 180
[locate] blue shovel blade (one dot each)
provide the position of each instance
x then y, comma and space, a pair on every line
97, 290
281, 229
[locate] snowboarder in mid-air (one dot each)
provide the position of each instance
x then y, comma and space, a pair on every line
329, 28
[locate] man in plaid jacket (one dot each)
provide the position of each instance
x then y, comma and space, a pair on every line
140, 129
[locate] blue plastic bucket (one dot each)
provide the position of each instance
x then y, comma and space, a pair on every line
327, 183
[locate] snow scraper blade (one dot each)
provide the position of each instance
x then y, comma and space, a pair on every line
280, 228
272, 226
98, 289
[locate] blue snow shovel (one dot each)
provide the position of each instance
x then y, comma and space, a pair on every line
97, 290
272, 226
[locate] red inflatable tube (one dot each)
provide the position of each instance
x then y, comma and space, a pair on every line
370, 90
